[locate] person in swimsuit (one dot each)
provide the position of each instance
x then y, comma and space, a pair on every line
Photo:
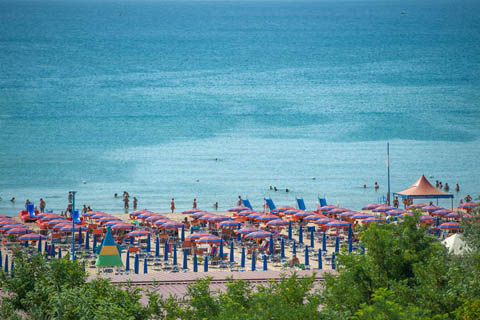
172, 205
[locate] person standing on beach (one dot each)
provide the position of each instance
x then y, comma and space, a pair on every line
84, 210
215, 206
42, 205
239, 202
194, 205
135, 202
26, 204
172, 205
70, 197
125, 203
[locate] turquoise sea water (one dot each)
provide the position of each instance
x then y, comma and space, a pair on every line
143, 96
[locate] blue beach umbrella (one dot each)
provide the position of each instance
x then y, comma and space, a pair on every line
165, 252
242, 260
127, 262
337, 244
253, 261
333, 261
282, 249
145, 266
205, 264
324, 241
239, 235
94, 245
39, 249
131, 240
294, 248
6, 264
265, 267
307, 260
232, 252
300, 235
290, 230
312, 239
148, 243
195, 263
87, 241
11, 268
221, 249
320, 266
185, 265
363, 249
157, 247
59, 253
1, 259
136, 264
270, 243
45, 248
79, 235
182, 234
174, 254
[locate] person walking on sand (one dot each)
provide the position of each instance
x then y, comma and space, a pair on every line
194, 205
172, 205
42, 205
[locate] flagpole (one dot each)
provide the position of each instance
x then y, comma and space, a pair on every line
388, 173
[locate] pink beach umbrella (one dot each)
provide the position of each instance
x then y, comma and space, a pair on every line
371, 206
238, 208
198, 235
277, 223
258, 235
229, 223
138, 233
370, 220
337, 224
431, 208
246, 230
449, 226
18, 231
191, 211
31, 237
209, 240
383, 208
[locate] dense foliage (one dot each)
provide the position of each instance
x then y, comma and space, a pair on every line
405, 273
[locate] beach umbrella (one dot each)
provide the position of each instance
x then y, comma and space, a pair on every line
303, 214
267, 217
1, 259
265, 267
136, 264
323, 221
440, 212
291, 211
217, 218
195, 262
320, 266
337, 224
232, 252
32, 237
395, 212
468, 205
185, 265
427, 219
242, 259
407, 214
165, 252
431, 208
198, 235
11, 268
339, 210
346, 214
416, 205
258, 235
337, 244
18, 231
238, 208
39, 249
284, 208
333, 261
71, 229
209, 240
362, 216
122, 226
87, 241
148, 248
282, 249
383, 209
449, 226
138, 233
127, 261
300, 235
155, 218
157, 247
253, 261
371, 206
290, 230
205, 264
12, 226
221, 249
270, 245
370, 220
79, 237
453, 215
182, 234
229, 223
247, 230
59, 252
277, 223
307, 261
145, 266
6, 264
172, 225
198, 214
94, 245
312, 238
294, 247
191, 211
313, 217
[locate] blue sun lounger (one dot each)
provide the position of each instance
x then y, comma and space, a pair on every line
247, 203
270, 204
301, 204
322, 201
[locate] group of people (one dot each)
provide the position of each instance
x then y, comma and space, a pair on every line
274, 188
126, 200
36, 210
446, 187
375, 185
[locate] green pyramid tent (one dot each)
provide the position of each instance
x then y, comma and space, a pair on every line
109, 253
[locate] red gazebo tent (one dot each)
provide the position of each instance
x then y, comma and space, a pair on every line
423, 189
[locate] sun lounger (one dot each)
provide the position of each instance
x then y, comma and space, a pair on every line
301, 204
322, 201
270, 204
247, 203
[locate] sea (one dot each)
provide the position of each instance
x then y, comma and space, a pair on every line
218, 99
